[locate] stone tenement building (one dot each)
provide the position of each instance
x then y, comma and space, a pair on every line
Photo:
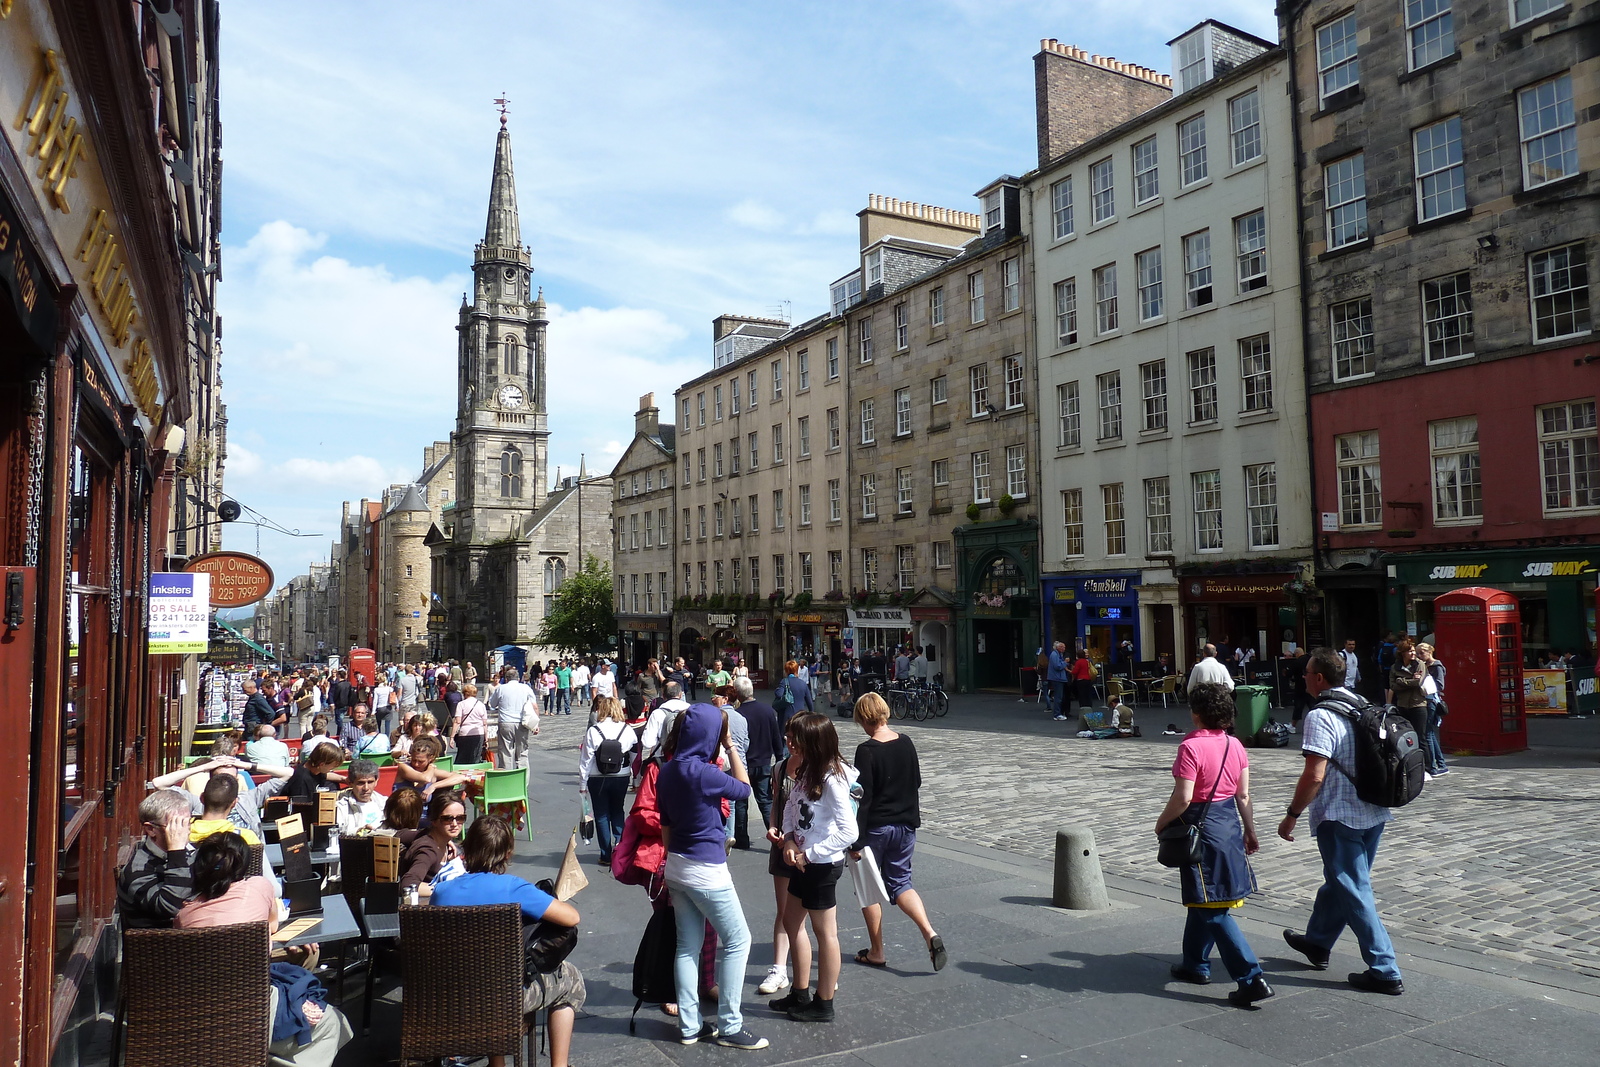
643, 518
1449, 222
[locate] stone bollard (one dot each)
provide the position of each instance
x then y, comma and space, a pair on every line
1079, 885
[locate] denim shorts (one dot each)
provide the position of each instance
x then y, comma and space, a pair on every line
892, 847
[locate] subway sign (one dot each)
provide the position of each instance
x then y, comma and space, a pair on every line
1510, 569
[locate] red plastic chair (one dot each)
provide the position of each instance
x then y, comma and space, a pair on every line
386, 778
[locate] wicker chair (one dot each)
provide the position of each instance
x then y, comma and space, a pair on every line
253, 867
167, 973
462, 974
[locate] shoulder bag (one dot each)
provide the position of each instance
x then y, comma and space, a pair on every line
1179, 842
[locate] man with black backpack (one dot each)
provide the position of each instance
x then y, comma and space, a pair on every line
1355, 755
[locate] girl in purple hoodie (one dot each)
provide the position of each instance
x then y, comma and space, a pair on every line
689, 794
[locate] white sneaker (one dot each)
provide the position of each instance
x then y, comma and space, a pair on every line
775, 980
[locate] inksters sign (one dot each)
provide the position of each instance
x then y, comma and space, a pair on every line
180, 613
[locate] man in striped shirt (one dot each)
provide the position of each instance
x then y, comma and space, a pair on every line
156, 881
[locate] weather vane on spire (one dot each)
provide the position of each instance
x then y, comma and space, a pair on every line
504, 102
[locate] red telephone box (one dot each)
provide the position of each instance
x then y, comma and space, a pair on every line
1479, 638
363, 665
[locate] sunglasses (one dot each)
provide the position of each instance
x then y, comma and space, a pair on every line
452, 818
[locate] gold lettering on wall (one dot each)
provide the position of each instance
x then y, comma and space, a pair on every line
53, 137
108, 276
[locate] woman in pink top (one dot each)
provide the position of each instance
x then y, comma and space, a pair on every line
1212, 791
469, 726
223, 896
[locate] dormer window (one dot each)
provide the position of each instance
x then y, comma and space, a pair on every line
993, 215
875, 267
1193, 60
846, 293
722, 352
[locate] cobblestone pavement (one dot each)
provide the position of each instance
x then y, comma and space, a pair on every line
1494, 858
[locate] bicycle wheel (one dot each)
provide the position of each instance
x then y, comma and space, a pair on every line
897, 703
924, 707
941, 703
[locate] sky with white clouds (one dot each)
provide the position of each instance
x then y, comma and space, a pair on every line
674, 161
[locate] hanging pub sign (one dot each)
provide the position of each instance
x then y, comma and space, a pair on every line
237, 579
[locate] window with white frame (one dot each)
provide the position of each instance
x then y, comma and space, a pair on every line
936, 306
777, 509
846, 293
1558, 282
1010, 284
736, 575
1207, 492
993, 209
833, 428
1202, 385
716, 403
1261, 504
755, 575
902, 328
869, 569
1108, 387
869, 496
718, 515
978, 387
805, 572
733, 456
1197, 269
1105, 298
1523, 10
1350, 326
777, 443
833, 358
700, 413
1102, 193
834, 504
1193, 65
939, 390
874, 261
1244, 127
751, 391
736, 516
688, 470
1430, 31
1153, 394
755, 513
1360, 479
902, 411
1012, 366
1255, 372
753, 439
702, 577
1067, 312
649, 531
1569, 453
1250, 250
975, 310
805, 504
864, 340
633, 584
1457, 484
1017, 471
777, 379
649, 594
1146, 177
941, 555
1344, 190
835, 571
1116, 523
1072, 521
688, 529
662, 521
780, 580
941, 473
733, 396
685, 419
1152, 293
902, 490
700, 515
633, 533
1192, 150
1441, 173
1061, 207
803, 434
1338, 66
688, 577
980, 477
1158, 516
1447, 316
802, 369
869, 433
716, 465
1069, 433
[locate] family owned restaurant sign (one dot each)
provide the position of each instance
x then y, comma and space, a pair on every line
237, 578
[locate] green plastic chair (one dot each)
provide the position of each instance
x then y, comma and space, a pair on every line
445, 763
507, 787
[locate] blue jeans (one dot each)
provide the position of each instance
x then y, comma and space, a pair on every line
761, 786
1345, 898
693, 909
606, 795
1431, 746
1215, 926
563, 701
1058, 697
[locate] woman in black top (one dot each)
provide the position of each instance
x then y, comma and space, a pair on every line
888, 818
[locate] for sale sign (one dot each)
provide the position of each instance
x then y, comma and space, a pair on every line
180, 613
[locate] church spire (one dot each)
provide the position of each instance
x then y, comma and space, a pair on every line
503, 230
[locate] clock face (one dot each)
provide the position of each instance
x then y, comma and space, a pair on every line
511, 396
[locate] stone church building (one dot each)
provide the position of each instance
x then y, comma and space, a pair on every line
506, 540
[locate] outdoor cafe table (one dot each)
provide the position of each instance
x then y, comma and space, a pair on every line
335, 924
273, 855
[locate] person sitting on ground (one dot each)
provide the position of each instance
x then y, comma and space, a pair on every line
266, 749
317, 772
421, 773
360, 807
308, 1030
427, 851
373, 741
489, 848
156, 881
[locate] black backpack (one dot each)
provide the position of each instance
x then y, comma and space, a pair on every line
1389, 760
608, 758
653, 977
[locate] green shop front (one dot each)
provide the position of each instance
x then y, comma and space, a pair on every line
1554, 587
997, 602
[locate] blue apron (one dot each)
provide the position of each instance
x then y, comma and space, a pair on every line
1223, 873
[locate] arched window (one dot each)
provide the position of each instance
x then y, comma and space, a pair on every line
1001, 581
491, 358
511, 473
511, 355
555, 572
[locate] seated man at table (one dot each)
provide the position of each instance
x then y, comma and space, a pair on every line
373, 741
246, 811
266, 749
361, 806
317, 772
486, 854
157, 881
217, 799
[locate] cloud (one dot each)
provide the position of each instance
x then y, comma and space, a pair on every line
242, 463
342, 474
755, 215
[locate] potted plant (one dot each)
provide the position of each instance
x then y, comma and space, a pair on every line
1008, 504
802, 600
973, 511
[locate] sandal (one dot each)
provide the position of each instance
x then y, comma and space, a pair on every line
937, 954
861, 957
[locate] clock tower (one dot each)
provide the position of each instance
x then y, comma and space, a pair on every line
501, 436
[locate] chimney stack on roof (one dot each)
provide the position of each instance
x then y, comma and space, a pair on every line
1078, 95
647, 420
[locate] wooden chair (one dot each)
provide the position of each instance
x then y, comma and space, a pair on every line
462, 975
167, 973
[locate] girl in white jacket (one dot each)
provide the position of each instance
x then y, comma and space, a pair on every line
819, 825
